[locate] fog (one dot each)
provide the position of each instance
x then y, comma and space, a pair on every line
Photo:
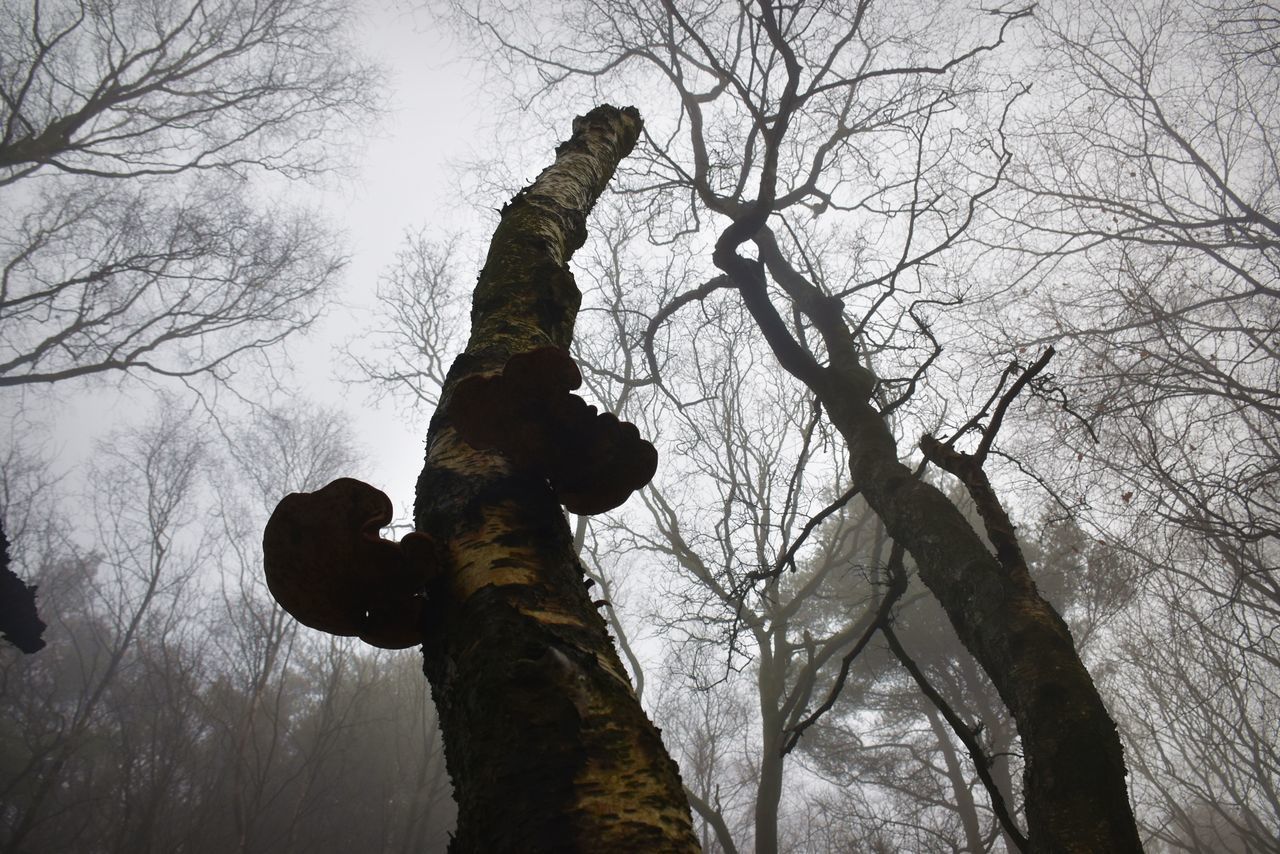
954, 331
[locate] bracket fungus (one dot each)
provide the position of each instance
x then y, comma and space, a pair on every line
327, 566
527, 413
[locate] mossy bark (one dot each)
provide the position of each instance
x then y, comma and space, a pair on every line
547, 745
1074, 783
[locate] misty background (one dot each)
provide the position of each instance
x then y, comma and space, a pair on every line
249, 279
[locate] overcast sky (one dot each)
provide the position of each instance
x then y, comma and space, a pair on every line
402, 183
403, 179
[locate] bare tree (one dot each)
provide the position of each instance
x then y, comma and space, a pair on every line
710, 732
319, 742
131, 238
421, 314
732, 515
1144, 222
126, 89
164, 718
1199, 709
302, 448
1148, 211
749, 492
132, 592
848, 149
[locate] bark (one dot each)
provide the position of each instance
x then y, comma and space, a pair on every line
547, 745
1075, 793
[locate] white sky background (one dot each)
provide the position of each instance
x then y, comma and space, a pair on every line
401, 180
441, 114
402, 184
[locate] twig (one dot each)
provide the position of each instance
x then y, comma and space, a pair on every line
968, 737
989, 434
897, 586
968, 468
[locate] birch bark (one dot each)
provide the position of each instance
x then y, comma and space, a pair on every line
547, 745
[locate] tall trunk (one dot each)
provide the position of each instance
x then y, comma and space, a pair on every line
547, 745
1076, 799
771, 680
966, 807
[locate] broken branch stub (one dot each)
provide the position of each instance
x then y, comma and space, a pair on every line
527, 413
328, 567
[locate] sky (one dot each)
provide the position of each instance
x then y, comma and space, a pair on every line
401, 179
402, 183
441, 113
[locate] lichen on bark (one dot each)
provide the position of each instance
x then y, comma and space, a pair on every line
546, 742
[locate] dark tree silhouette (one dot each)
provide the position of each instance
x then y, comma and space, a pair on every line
20, 623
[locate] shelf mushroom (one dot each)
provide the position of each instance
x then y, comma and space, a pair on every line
527, 413
328, 567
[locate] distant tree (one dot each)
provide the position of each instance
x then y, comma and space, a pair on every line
319, 743
1147, 213
165, 717
130, 238
264, 665
118, 612
724, 527
419, 325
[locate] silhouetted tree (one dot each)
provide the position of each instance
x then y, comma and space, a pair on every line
130, 237
19, 623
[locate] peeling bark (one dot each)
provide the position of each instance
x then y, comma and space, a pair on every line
547, 745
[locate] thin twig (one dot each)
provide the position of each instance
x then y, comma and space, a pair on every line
968, 737
897, 586
989, 434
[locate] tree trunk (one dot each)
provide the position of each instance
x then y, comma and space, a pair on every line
1076, 798
771, 684
965, 806
547, 745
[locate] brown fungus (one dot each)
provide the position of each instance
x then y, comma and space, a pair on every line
527, 413
604, 466
327, 566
